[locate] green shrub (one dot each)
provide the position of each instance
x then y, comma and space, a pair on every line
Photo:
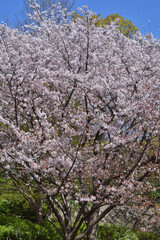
147, 236
110, 232
129, 235
6, 232
12, 228
16, 205
114, 232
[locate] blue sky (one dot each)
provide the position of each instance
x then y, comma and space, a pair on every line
145, 14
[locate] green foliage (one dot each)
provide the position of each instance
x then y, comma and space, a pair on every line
125, 26
16, 205
12, 203
52, 231
25, 127
17, 222
75, 140
13, 228
147, 236
129, 235
6, 232
82, 228
114, 232
19, 229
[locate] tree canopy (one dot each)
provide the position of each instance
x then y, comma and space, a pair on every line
79, 118
44, 5
125, 26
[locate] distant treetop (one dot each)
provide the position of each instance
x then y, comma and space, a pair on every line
125, 26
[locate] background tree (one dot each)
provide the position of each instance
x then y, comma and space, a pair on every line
125, 26
79, 118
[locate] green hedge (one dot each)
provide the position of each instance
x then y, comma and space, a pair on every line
17, 222
114, 232
147, 236
16, 205
12, 228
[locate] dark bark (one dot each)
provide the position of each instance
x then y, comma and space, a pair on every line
92, 234
38, 212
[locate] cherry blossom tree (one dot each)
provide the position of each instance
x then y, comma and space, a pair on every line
44, 5
79, 118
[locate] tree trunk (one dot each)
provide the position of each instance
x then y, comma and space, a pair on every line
92, 234
37, 211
